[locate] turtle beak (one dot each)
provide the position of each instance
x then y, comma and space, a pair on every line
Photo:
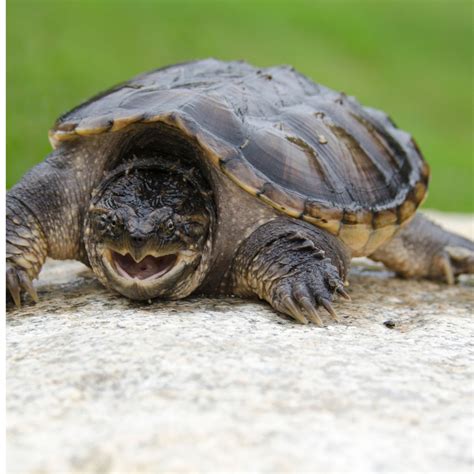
138, 246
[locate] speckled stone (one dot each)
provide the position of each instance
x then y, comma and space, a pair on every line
97, 383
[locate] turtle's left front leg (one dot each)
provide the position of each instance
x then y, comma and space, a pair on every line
294, 266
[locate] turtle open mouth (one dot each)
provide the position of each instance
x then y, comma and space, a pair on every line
149, 268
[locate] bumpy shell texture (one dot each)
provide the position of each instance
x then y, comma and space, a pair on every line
306, 150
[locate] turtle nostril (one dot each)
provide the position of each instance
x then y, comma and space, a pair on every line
138, 240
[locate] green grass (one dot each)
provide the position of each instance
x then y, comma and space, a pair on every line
412, 59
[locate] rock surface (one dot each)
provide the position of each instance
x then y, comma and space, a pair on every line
97, 383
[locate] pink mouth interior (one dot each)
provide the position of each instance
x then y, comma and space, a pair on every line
148, 267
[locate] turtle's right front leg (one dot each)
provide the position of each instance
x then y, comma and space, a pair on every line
26, 249
44, 214
294, 266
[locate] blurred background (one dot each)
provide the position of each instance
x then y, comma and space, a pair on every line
412, 59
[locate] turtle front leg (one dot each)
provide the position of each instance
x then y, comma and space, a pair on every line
26, 249
44, 214
294, 266
423, 249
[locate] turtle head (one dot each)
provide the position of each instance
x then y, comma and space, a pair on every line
148, 231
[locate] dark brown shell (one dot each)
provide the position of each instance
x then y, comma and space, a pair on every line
304, 149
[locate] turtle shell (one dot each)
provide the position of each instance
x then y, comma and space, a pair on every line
310, 152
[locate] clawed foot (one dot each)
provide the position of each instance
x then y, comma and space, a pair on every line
18, 281
451, 262
302, 293
423, 249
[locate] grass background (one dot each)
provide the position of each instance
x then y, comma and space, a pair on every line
413, 59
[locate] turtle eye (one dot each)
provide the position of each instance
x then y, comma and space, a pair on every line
169, 225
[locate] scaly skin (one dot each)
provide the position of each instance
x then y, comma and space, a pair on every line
422, 249
26, 249
45, 211
294, 266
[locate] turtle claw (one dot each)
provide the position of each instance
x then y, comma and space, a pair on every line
461, 258
311, 312
289, 307
27, 285
303, 296
18, 281
13, 286
342, 292
447, 270
453, 261
327, 306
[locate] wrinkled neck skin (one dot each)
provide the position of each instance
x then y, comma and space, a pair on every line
148, 230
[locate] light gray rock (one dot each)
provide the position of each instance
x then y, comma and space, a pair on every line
97, 383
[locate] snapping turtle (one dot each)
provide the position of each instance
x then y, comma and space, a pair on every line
221, 178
